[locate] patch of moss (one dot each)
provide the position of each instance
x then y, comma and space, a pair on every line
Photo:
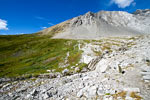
107, 94
134, 95
121, 94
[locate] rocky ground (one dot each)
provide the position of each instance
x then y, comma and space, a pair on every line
121, 72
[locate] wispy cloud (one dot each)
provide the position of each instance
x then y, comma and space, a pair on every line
12, 34
43, 27
3, 25
134, 4
20, 33
123, 3
51, 24
45, 20
41, 18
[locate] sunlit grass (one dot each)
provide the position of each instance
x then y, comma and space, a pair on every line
33, 54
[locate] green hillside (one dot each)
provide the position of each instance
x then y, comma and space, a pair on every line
23, 55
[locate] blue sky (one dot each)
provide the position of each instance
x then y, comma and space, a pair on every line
29, 16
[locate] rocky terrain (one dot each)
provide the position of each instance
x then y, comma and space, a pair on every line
103, 23
100, 56
118, 69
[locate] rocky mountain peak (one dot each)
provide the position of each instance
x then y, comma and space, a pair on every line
86, 19
89, 14
103, 23
145, 12
116, 18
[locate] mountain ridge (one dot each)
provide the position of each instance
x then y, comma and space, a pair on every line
39, 67
103, 23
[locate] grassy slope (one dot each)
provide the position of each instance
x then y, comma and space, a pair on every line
33, 54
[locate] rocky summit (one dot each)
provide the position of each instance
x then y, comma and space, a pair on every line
100, 56
103, 23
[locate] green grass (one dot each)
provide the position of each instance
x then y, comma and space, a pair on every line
33, 54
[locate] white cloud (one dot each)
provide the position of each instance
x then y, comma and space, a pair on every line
134, 3
3, 25
51, 24
123, 3
41, 18
43, 27
20, 33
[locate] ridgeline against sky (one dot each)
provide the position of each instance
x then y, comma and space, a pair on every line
29, 16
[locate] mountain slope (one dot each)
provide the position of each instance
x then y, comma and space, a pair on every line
120, 70
104, 23
31, 55
39, 66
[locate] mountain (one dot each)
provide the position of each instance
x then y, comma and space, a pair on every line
34, 67
103, 23
86, 66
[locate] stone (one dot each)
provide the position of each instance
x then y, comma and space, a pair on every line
81, 85
102, 66
145, 73
86, 78
65, 71
27, 96
91, 92
146, 77
105, 79
145, 68
53, 70
80, 94
34, 92
107, 97
48, 70
129, 98
77, 64
84, 70
92, 64
111, 91
100, 91
45, 96
77, 69
132, 89
6, 85
72, 67
146, 81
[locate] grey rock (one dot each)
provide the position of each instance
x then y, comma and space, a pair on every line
34, 92
132, 89
145, 68
146, 77
77, 69
145, 73
100, 91
93, 62
65, 71
84, 70
91, 92
80, 94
